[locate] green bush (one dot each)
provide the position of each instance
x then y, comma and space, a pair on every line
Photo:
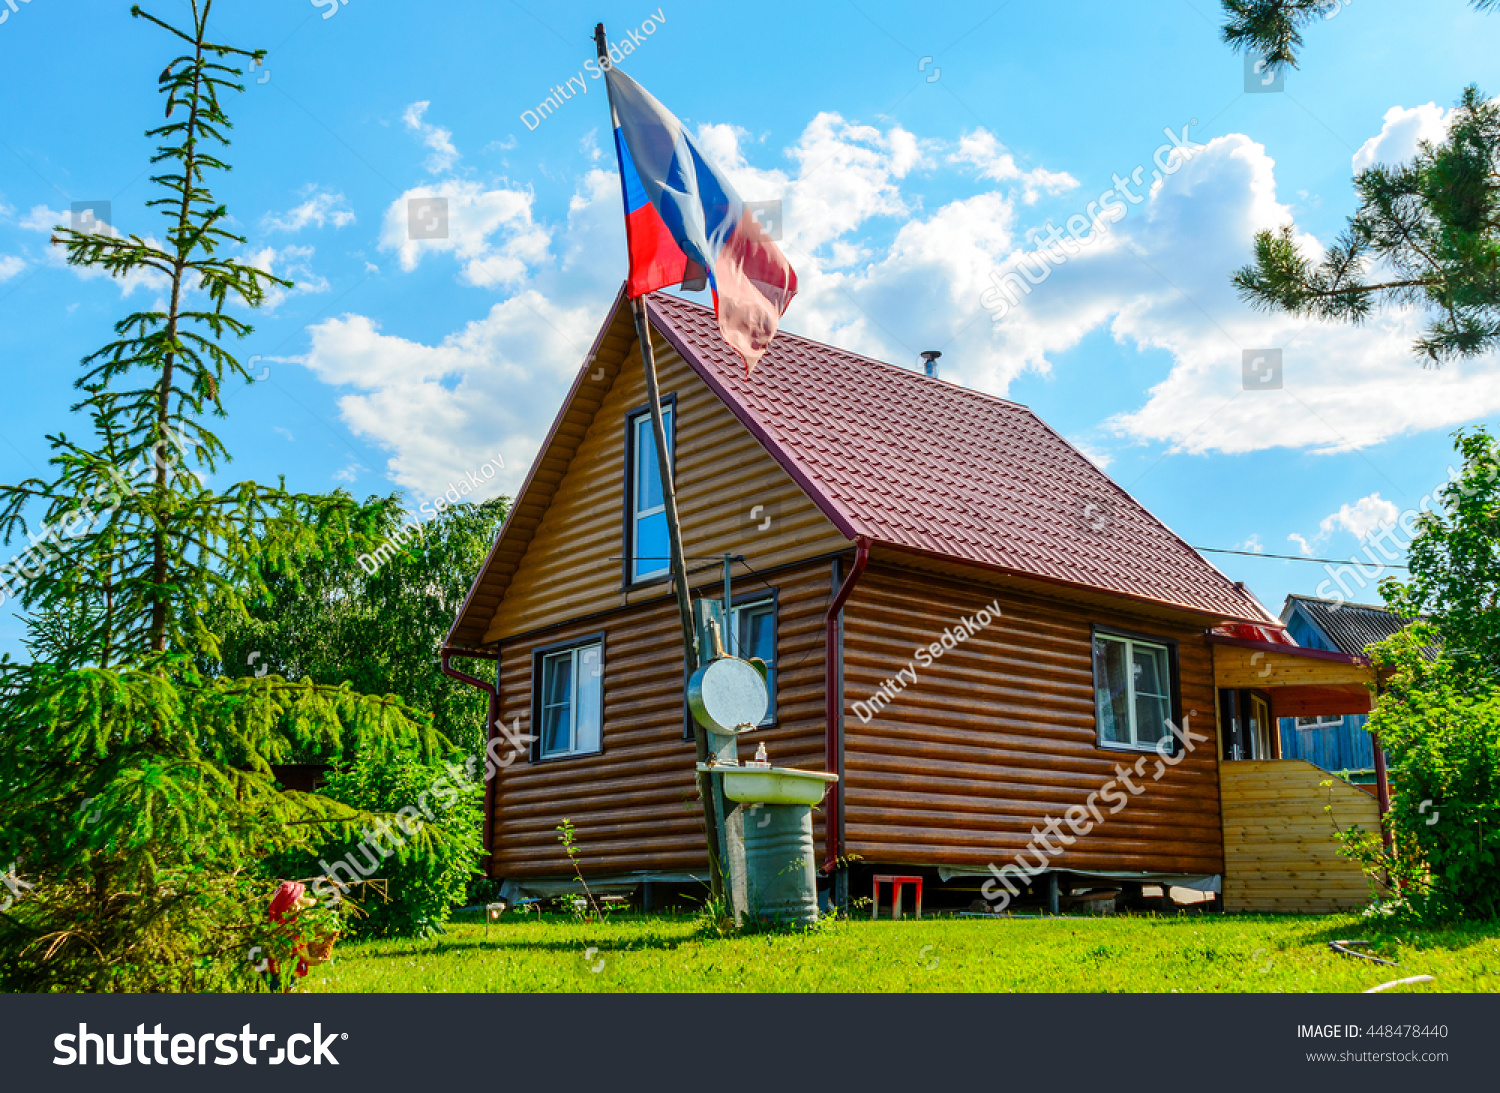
1440, 728
418, 863
195, 930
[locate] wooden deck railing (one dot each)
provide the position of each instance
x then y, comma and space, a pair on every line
1281, 852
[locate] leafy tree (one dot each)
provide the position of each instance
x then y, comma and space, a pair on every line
136, 795
374, 620
1426, 233
1454, 564
1438, 714
1273, 28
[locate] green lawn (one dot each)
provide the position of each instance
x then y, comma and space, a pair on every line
1188, 953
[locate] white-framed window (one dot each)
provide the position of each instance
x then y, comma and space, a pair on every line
1132, 691
753, 629
1322, 721
645, 504
568, 706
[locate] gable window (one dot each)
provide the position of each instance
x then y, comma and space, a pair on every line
1132, 691
753, 630
567, 704
646, 547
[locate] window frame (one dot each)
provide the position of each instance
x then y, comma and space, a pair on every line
738, 601
1174, 689
1319, 721
539, 656
755, 600
630, 518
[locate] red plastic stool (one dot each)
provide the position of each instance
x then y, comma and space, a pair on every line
895, 882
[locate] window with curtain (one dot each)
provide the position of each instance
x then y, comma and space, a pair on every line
1132, 691
569, 702
645, 504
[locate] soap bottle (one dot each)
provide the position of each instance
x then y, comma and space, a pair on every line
760, 756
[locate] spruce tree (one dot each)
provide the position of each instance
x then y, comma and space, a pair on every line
137, 800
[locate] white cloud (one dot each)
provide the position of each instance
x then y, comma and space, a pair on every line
1097, 456
321, 207
981, 150
846, 175
42, 219
443, 410
1252, 545
1360, 519
492, 388
293, 263
1156, 279
491, 232
10, 265
1366, 515
1404, 128
439, 140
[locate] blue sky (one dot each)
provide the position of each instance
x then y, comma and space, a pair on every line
913, 156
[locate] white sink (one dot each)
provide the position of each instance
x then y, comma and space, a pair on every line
772, 785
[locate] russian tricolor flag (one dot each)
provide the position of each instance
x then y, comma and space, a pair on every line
685, 224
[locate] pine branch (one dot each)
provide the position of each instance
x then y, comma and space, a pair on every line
1432, 225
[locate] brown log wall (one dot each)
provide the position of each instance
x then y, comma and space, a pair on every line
999, 734
635, 805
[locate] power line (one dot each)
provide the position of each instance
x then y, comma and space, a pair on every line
1301, 558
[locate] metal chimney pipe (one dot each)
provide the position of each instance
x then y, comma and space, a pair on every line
929, 362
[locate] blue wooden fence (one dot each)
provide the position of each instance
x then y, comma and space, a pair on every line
1334, 747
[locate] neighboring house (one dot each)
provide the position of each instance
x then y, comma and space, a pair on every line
1333, 742
917, 504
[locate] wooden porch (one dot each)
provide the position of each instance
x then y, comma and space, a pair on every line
1281, 821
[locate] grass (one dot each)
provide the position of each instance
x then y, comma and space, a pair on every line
1186, 953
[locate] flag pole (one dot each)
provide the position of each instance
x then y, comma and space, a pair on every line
690, 652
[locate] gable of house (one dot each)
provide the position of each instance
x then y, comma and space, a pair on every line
1306, 634
560, 555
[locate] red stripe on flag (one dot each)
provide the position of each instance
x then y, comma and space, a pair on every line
656, 261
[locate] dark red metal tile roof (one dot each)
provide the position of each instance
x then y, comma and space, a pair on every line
925, 465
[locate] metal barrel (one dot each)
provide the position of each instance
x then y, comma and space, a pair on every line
779, 872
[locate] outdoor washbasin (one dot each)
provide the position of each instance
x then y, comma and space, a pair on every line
772, 785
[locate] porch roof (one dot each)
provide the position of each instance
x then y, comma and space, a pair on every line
1305, 681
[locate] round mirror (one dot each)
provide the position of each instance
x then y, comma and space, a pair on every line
728, 696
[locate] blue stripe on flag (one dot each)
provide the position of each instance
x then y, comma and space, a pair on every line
635, 193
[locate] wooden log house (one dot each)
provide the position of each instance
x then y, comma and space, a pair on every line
916, 504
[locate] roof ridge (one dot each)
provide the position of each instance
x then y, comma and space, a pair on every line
1340, 604
912, 372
